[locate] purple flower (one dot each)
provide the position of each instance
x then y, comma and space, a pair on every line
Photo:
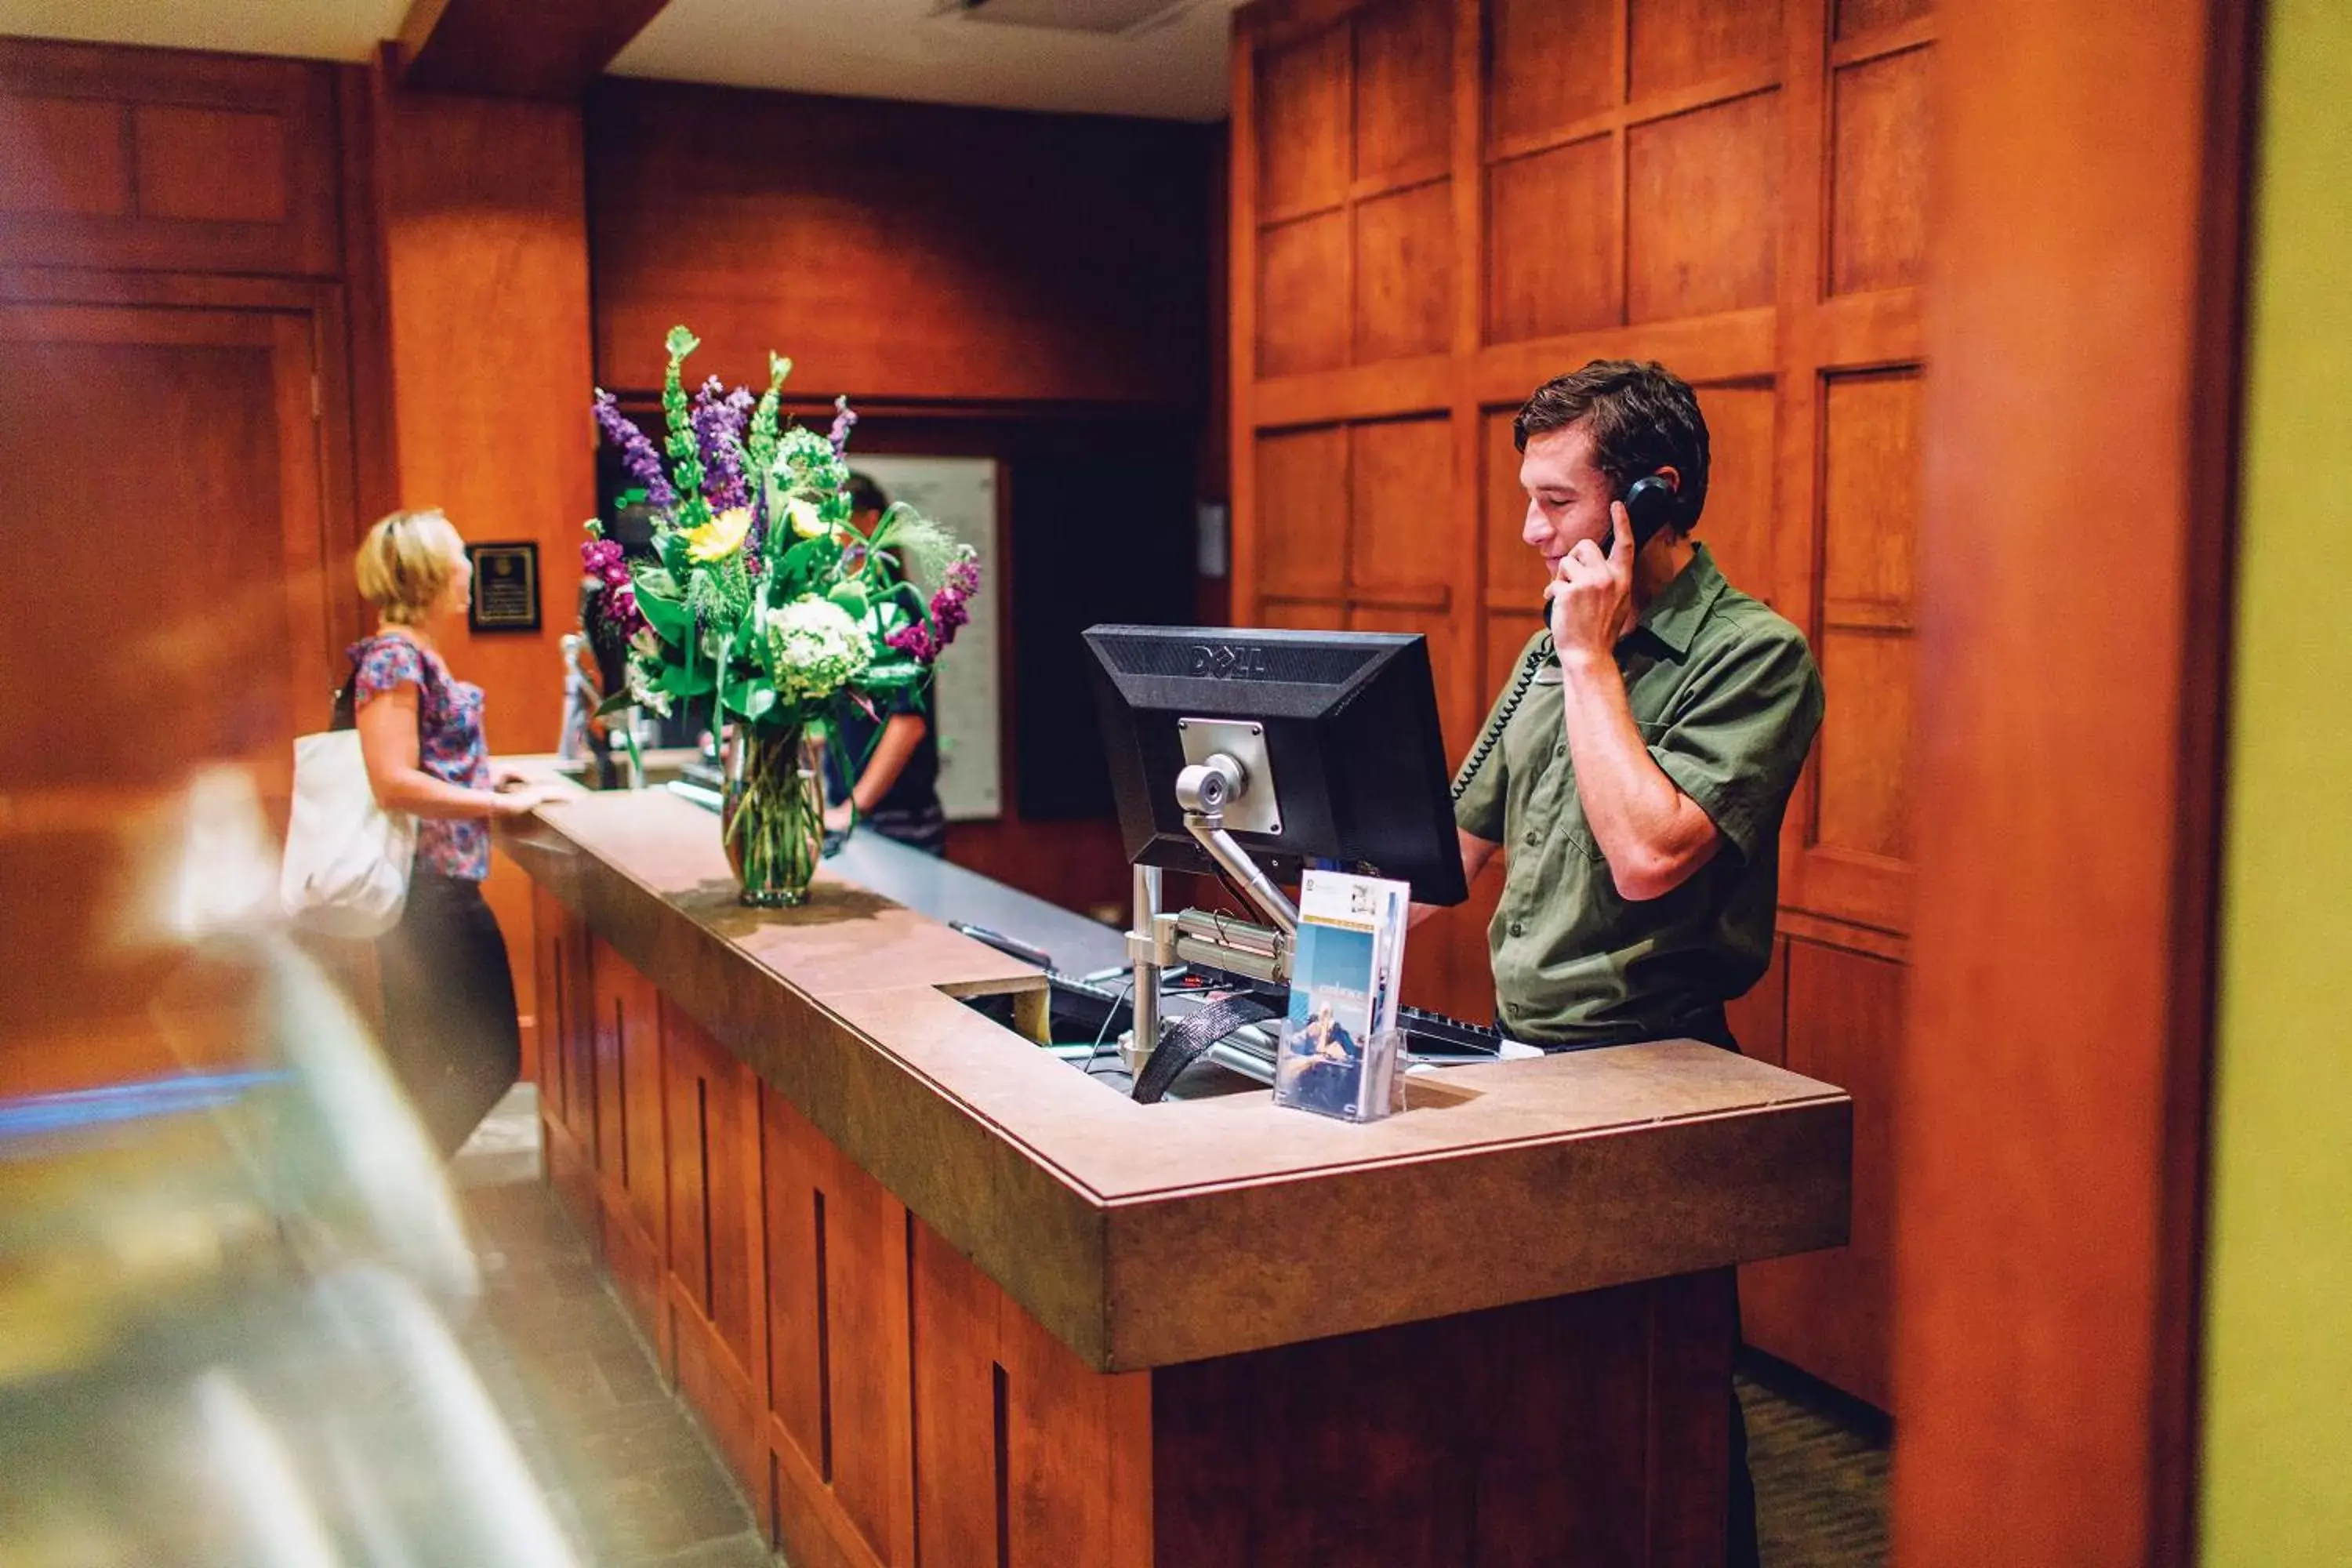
621, 608
638, 454
599, 556
916, 642
843, 421
718, 419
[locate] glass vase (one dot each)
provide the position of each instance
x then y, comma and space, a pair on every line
773, 819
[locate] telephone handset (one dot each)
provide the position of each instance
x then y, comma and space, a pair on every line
1650, 504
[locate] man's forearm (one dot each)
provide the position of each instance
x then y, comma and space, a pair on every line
1652, 835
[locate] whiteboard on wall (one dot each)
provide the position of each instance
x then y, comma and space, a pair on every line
959, 495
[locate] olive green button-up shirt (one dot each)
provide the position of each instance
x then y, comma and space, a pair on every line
1728, 697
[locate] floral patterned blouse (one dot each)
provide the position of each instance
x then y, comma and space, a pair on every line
449, 746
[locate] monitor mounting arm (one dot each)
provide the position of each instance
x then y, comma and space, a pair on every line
1204, 790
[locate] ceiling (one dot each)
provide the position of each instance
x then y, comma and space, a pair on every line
313, 29
1173, 68
1169, 66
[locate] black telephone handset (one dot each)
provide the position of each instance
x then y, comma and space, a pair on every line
1649, 507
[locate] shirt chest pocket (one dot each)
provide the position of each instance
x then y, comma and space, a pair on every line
1555, 807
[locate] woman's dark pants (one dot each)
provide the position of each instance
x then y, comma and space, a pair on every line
449, 1027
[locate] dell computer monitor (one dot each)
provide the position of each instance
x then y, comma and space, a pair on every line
1347, 722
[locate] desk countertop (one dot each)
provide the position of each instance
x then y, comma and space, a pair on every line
1146, 1234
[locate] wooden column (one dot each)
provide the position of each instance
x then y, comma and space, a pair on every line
2074, 567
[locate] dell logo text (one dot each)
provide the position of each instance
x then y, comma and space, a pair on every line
1228, 661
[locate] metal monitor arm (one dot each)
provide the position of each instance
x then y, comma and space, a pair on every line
1216, 940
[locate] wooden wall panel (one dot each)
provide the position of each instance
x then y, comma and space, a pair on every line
1397, 551
161, 160
1404, 89
1878, 227
1739, 523
1681, 43
1703, 210
1869, 475
1303, 142
1735, 187
1552, 231
211, 165
1303, 299
1864, 756
1302, 493
1829, 1311
902, 251
1403, 273
1551, 63
67, 155
1857, 18
1515, 573
486, 259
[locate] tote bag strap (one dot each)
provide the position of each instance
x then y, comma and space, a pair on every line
345, 715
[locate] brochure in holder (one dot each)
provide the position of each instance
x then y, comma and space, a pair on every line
1340, 1046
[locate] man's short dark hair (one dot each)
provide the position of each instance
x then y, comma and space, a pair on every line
865, 495
1643, 418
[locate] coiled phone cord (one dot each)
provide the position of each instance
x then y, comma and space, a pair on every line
1534, 660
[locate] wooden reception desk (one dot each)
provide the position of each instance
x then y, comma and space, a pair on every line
935, 1291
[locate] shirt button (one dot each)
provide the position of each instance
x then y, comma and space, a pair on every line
1519, 928
1560, 751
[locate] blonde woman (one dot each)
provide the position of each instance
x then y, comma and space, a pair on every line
448, 996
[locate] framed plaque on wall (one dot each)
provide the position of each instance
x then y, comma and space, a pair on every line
506, 587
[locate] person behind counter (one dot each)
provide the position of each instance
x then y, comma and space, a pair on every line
449, 1028
1635, 771
882, 767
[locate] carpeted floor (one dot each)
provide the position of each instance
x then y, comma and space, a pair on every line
1820, 1460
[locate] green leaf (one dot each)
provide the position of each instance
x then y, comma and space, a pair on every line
679, 681
619, 702
753, 696
681, 342
669, 619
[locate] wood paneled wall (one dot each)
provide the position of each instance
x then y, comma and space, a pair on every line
482, 207
174, 401
1439, 204
899, 250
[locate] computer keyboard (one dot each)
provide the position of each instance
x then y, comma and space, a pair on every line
1430, 1034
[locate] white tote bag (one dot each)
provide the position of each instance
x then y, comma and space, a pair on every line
347, 858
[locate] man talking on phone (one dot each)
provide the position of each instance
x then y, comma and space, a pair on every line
1634, 771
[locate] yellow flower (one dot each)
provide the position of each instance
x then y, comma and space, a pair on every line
803, 515
720, 537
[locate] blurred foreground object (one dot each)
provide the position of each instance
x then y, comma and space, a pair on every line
221, 1291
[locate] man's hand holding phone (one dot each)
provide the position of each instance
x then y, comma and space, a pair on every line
1589, 603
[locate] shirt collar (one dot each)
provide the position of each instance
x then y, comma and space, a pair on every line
1683, 606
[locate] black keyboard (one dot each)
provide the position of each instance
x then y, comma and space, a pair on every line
1436, 1035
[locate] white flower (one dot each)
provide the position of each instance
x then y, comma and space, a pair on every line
643, 692
814, 648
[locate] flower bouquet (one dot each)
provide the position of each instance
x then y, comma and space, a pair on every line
761, 601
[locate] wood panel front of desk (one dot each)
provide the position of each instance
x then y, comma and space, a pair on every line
886, 1404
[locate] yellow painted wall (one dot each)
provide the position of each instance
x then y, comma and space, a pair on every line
2278, 1413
